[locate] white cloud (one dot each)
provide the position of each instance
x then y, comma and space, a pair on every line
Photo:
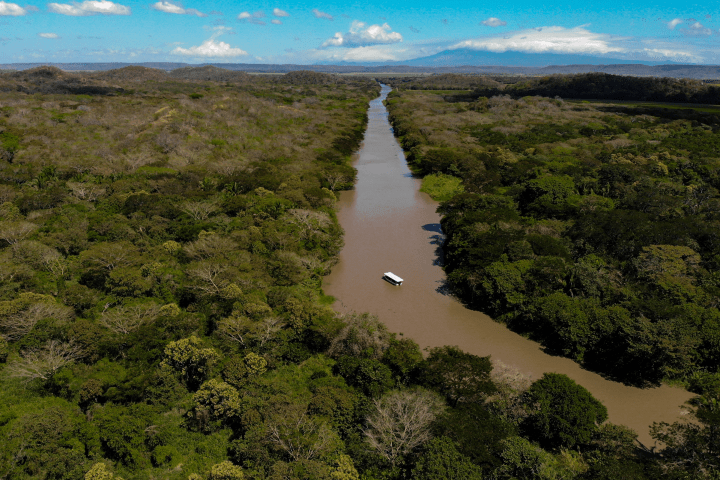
48, 35
169, 7
89, 7
369, 54
11, 10
662, 54
252, 17
211, 48
696, 29
280, 13
319, 14
493, 22
674, 23
275, 21
361, 34
546, 40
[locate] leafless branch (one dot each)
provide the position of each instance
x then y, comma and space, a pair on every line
401, 421
125, 320
43, 363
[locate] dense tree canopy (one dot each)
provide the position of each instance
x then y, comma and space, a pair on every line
163, 238
592, 230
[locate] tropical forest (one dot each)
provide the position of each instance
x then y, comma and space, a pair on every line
164, 238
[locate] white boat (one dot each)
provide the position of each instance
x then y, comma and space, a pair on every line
392, 278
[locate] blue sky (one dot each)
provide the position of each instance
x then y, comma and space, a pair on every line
199, 31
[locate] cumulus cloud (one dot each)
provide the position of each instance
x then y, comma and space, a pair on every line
169, 7
49, 35
89, 7
674, 23
11, 10
493, 22
576, 40
275, 21
280, 13
252, 17
361, 34
211, 48
319, 14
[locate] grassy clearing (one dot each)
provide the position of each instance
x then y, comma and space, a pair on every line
442, 187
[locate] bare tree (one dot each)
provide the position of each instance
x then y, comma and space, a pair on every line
209, 246
57, 266
7, 193
310, 222
86, 191
268, 329
132, 162
19, 321
236, 328
334, 179
125, 320
244, 331
208, 273
508, 401
14, 232
43, 363
362, 334
167, 142
300, 436
199, 210
401, 421
109, 255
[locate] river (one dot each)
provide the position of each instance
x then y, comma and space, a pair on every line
391, 226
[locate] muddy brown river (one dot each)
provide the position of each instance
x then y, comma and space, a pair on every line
391, 226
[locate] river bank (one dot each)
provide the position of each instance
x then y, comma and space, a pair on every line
391, 226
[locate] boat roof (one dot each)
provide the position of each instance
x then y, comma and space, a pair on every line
393, 277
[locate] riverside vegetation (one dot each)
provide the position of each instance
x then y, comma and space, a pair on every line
592, 228
163, 242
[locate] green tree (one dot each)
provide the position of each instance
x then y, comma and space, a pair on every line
693, 446
403, 356
567, 414
187, 357
344, 469
459, 376
226, 471
503, 285
99, 471
440, 460
368, 375
217, 399
476, 433
122, 432
521, 460
4, 349
548, 196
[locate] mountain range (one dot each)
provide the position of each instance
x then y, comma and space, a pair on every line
449, 61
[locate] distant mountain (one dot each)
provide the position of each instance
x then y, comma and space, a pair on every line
455, 58
452, 61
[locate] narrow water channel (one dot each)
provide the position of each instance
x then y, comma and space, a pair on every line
391, 226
